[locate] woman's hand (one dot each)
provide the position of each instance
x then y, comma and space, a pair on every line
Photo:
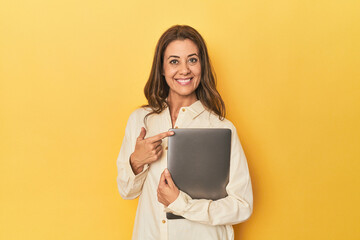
147, 150
167, 191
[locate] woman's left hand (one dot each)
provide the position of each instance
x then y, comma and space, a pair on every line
167, 191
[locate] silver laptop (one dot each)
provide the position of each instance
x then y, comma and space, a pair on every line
199, 162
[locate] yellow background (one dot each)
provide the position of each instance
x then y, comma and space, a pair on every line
72, 71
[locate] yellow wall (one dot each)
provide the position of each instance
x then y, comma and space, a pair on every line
71, 72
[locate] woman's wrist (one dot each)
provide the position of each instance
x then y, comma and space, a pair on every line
135, 165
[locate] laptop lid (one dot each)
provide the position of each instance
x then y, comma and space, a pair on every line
199, 161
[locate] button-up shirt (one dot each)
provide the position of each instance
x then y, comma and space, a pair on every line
203, 219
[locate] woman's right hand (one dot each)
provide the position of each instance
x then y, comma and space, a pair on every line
147, 150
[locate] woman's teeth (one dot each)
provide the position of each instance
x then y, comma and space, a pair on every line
183, 81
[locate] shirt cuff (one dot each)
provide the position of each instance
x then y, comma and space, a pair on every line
179, 206
132, 175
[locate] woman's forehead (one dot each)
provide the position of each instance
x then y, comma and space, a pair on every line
181, 48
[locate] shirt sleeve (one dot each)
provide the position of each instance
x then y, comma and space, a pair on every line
235, 208
129, 184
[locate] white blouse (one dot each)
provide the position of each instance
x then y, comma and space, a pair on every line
204, 219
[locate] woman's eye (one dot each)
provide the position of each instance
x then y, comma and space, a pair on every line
174, 61
193, 60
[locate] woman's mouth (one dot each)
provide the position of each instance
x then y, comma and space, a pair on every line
184, 81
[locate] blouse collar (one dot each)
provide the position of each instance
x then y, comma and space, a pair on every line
195, 109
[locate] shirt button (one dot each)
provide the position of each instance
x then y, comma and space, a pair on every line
166, 148
183, 109
163, 221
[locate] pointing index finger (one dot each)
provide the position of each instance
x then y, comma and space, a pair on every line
161, 136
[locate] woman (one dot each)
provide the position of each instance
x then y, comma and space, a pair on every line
181, 93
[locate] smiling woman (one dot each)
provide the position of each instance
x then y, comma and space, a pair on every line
181, 93
182, 70
180, 54
182, 66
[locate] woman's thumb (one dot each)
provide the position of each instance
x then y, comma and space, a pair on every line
168, 177
142, 134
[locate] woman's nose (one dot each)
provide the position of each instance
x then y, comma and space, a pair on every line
184, 69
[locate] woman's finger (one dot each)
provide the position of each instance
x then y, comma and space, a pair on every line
142, 134
168, 178
158, 148
156, 143
160, 136
162, 179
159, 153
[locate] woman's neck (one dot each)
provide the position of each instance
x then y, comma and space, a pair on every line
176, 102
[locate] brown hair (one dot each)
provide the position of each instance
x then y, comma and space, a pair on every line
156, 89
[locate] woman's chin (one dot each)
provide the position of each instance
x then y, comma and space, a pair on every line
183, 93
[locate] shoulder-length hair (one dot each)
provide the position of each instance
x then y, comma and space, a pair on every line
156, 89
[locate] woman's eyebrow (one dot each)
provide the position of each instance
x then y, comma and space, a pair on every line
179, 57
194, 54
173, 56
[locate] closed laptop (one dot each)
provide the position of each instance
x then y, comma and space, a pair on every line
199, 162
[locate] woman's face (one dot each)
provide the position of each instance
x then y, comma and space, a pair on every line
182, 68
